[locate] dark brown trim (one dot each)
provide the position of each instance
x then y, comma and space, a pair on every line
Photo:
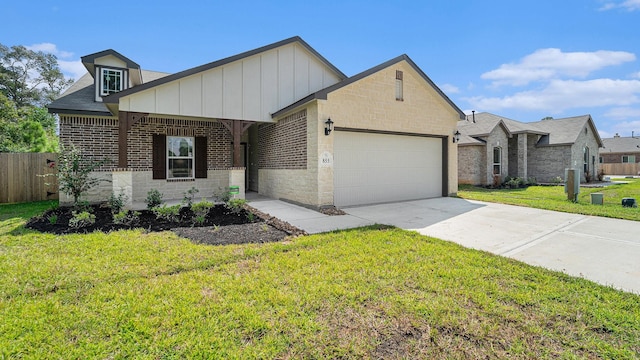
445, 166
201, 157
159, 155
385, 132
92, 57
123, 125
79, 112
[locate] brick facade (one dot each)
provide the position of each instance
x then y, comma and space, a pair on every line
474, 159
98, 138
283, 145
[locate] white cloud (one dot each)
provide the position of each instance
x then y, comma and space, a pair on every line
629, 5
449, 89
72, 69
623, 113
636, 75
561, 95
50, 49
547, 64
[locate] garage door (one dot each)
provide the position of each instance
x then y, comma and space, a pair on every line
373, 168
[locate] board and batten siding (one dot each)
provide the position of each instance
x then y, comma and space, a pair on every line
251, 88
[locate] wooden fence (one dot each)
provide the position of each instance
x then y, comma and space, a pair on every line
621, 169
19, 180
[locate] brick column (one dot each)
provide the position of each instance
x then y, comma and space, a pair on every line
522, 156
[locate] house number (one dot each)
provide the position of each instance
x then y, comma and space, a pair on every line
326, 159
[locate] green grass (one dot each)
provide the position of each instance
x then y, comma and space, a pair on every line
554, 198
363, 293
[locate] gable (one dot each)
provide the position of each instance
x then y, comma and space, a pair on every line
368, 100
248, 88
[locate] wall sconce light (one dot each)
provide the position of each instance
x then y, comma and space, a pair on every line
328, 126
456, 136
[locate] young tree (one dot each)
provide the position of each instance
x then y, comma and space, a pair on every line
74, 173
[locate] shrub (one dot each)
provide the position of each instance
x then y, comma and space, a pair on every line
169, 213
532, 181
235, 205
154, 199
81, 219
222, 195
116, 202
53, 219
601, 174
202, 208
188, 196
126, 217
199, 219
587, 176
557, 180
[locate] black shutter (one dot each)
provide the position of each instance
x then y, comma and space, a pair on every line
201, 157
159, 156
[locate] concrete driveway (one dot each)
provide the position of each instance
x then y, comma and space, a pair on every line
603, 250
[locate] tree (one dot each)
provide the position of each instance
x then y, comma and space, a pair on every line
29, 129
28, 80
30, 77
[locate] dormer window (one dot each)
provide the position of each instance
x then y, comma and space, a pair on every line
111, 81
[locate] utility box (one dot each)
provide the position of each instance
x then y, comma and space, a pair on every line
572, 183
597, 198
629, 202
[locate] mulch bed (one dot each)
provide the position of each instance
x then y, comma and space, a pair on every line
221, 226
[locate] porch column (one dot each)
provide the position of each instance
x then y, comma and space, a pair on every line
126, 120
522, 155
236, 128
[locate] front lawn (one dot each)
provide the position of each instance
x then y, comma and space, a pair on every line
554, 198
365, 293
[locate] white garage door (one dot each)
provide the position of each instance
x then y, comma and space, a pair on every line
374, 168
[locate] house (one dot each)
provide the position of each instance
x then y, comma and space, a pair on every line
279, 120
492, 147
620, 155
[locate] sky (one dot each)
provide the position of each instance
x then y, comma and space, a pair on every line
523, 60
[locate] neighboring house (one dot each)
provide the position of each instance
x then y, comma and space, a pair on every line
280, 120
620, 150
621, 155
492, 147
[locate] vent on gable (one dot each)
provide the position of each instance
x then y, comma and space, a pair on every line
399, 90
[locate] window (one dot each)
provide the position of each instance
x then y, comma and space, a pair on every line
497, 161
585, 159
179, 157
111, 81
628, 158
601, 160
399, 90
180, 165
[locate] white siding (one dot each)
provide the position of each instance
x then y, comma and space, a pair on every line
249, 89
